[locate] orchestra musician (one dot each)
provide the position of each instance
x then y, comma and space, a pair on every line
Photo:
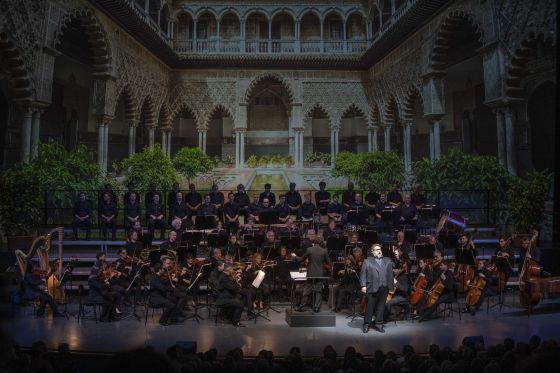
350, 278
308, 209
217, 199
149, 196
357, 207
180, 211
270, 244
403, 245
130, 191
231, 214
282, 272
348, 196
466, 243
436, 265
418, 199
504, 250
251, 292
371, 199
354, 242
229, 290
172, 200
207, 208
177, 226
131, 212
162, 293
156, 216
394, 197
331, 230
376, 276
100, 290
214, 277
335, 210
381, 206
447, 294
242, 200
283, 209
268, 195
82, 215
33, 287
171, 244
290, 230
193, 200
400, 292
408, 213
293, 200
108, 216
255, 208
482, 272
322, 198
133, 245
434, 241
233, 246
318, 258
216, 257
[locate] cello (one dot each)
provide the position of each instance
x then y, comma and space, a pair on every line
529, 295
420, 285
435, 293
475, 292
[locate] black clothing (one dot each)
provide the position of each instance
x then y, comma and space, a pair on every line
499, 251
254, 209
131, 210
283, 210
180, 210
408, 213
394, 197
193, 199
32, 291
322, 196
327, 232
228, 292
358, 211
376, 276
207, 209
231, 209
242, 200
318, 257
348, 197
172, 198
448, 294
217, 198
82, 208
404, 246
126, 197
293, 198
417, 199
107, 210
149, 198
307, 210
156, 210
372, 198
270, 196
334, 208
163, 294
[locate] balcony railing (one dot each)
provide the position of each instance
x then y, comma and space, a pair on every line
266, 46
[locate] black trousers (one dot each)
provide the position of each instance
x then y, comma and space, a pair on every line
233, 306
159, 224
375, 305
312, 289
231, 227
85, 224
112, 224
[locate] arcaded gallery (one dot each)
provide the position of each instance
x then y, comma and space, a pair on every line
279, 186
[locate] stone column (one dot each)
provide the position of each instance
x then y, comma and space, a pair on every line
369, 142
300, 134
432, 155
26, 134
242, 148
296, 148
200, 139
297, 46
501, 137
334, 142
204, 140
270, 36
242, 32
102, 142
168, 150
237, 149
132, 126
374, 145
164, 141
387, 138
151, 136
322, 37
510, 141
35, 131
407, 147
435, 141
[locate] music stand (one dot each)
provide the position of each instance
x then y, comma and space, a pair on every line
195, 316
269, 217
503, 265
192, 239
357, 217
242, 252
336, 244
368, 236
147, 239
291, 242
204, 221
464, 256
268, 251
410, 236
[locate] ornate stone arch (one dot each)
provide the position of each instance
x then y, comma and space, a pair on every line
308, 10
320, 107
354, 10
410, 97
357, 108
164, 116
375, 115
527, 51
334, 10
441, 44
391, 111
271, 76
206, 10
252, 11
285, 10
183, 10
180, 108
147, 109
127, 97
18, 76
231, 10
215, 109
95, 32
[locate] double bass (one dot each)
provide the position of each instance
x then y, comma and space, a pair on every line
529, 295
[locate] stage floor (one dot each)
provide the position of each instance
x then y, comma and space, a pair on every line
277, 336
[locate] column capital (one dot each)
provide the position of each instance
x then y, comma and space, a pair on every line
103, 120
133, 122
166, 129
335, 127
433, 117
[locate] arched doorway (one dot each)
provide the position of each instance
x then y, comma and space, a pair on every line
317, 131
184, 132
147, 119
468, 124
119, 127
420, 131
219, 133
541, 112
268, 118
353, 131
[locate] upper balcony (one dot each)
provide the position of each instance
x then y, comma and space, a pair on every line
342, 34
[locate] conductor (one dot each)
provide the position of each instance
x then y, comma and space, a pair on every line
318, 258
375, 277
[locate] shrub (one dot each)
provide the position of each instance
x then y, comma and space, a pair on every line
190, 162
527, 196
252, 161
378, 168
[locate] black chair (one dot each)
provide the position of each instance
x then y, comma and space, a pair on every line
153, 307
94, 300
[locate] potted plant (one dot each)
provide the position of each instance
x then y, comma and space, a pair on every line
228, 160
277, 160
324, 158
309, 159
252, 161
527, 196
288, 161
264, 160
